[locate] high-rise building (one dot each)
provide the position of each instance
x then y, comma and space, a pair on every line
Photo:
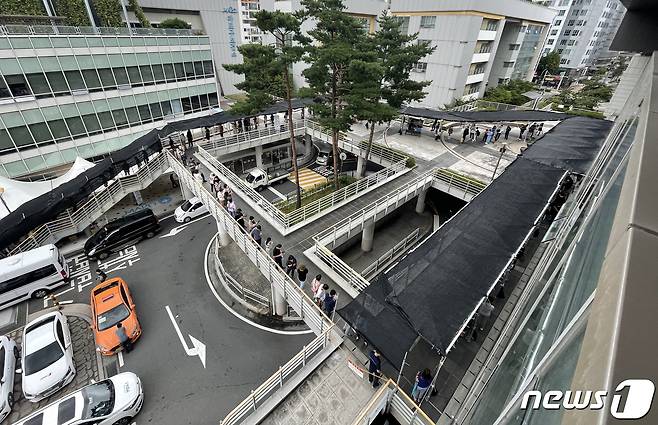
478, 43
81, 91
582, 30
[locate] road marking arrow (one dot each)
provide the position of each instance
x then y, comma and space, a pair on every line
198, 348
174, 231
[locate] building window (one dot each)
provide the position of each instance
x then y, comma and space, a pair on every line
471, 88
427, 21
404, 24
559, 51
489, 25
563, 61
571, 42
476, 69
514, 46
554, 32
558, 23
563, 42
550, 41
571, 23
508, 64
575, 32
420, 67
567, 33
560, 12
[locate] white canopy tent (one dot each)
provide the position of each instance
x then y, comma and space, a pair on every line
16, 192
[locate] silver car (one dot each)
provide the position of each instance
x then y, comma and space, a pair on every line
8, 357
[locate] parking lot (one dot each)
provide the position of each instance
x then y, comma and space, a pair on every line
180, 318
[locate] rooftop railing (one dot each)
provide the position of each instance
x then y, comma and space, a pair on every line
115, 31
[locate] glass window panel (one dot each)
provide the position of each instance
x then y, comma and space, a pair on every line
75, 125
138, 41
85, 61
187, 105
110, 41
41, 42
58, 129
75, 80
162, 41
69, 155
15, 168
198, 68
57, 82
101, 61
147, 74
67, 63
176, 106
125, 41
121, 76
169, 71
21, 136
107, 78
158, 73
143, 59
129, 59
180, 71
189, 69
156, 111
212, 97
50, 63
20, 43
40, 132
135, 76
9, 66
4, 90
95, 42
166, 107
208, 68
196, 103
204, 101
92, 124
17, 85
78, 41
114, 103
120, 118
51, 113
106, 120
91, 79
32, 116
115, 60
133, 115
145, 113
39, 84
152, 97
5, 141
35, 163
60, 41
151, 41
53, 159
85, 108
30, 65
128, 101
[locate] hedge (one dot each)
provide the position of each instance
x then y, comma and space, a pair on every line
23, 7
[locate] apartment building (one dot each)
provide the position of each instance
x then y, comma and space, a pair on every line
479, 44
74, 91
582, 31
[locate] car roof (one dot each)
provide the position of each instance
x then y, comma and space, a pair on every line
106, 295
41, 256
194, 200
50, 413
41, 333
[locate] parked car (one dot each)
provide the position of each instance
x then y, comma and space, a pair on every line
8, 356
112, 303
113, 401
47, 356
259, 179
192, 208
122, 232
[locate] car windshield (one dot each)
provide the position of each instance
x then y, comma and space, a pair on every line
99, 236
250, 178
186, 206
111, 317
98, 400
42, 358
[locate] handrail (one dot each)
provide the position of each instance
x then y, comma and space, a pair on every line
276, 381
468, 185
399, 404
391, 253
248, 137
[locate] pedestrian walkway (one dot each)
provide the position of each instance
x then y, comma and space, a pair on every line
308, 179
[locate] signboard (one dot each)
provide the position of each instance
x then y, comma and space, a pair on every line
230, 20
355, 368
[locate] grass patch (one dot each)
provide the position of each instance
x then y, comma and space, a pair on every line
237, 97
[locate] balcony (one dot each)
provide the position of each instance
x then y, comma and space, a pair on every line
481, 57
485, 35
475, 78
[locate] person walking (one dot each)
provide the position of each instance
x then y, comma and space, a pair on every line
231, 207
320, 294
268, 243
189, 139
423, 382
291, 266
522, 130
450, 130
484, 313
316, 284
239, 217
488, 137
531, 130
256, 234
207, 133
302, 272
499, 130
374, 368
507, 130
329, 303
277, 254
464, 134
101, 276
221, 130
120, 331
540, 129
172, 148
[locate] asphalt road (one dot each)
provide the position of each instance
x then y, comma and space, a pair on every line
169, 271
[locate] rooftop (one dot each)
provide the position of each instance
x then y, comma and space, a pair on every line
114, 31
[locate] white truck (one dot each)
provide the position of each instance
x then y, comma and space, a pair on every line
259, 179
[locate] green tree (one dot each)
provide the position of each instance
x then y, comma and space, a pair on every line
109, 13
380, 80
174, 23
23, 7
74, 11
139, 13
550, 63
511, 93
331, 48
267, 71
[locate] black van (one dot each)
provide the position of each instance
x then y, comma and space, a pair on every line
122, 232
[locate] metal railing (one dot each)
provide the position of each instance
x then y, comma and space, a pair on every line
73, 30
390, 255
353, 278
98, 202
392, 398
245, 294
312, 315
485, 104
276, 381
466, 185
237, 140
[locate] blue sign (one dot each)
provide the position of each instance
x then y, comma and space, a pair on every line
232, 43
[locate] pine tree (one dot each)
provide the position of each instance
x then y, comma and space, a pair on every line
332, 47
266, 67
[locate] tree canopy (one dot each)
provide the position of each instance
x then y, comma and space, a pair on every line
174, 23
550, 63
511, 93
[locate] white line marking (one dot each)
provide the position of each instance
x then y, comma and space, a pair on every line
120, 357
66, 302
198, 348
276, 192
233, 312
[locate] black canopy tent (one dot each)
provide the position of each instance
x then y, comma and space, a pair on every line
436, 288
48, 206
485, 116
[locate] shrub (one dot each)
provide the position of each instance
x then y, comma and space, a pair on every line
109, 13
139, 13
174, 23
23, 7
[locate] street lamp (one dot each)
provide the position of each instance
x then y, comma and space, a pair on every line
2, 190
502, 151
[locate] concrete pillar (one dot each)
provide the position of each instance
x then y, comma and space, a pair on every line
368, 236
224, 238
138, 197
420, 203
259, 157
279, 305
437, 223
187, 193
360, 166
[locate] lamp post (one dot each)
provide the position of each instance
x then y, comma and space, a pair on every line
2, 190
502, 151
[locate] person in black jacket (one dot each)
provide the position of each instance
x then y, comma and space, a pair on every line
374, 368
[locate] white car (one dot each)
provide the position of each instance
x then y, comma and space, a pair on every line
192, 208
113, 401
8, 356
47, 356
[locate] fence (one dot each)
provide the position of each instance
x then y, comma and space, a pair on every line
71, 222
276, 381
391, 254
248, 137
394, 400
72, 30
280, 281
245, 294
469, 187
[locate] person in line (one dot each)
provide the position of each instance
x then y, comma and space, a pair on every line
499, 130
189, 139
423, 382
484, 313
172, 148
268, 242
251, 223
302, 272
231, 207
320, 295
464, 134
256, 234
522, 130
174, 183
450, 130
531, 130
277, 254
488, 137
374, 368
239, 217
507, 130
123, 338
329, 302
221, 130
540, 129
207, 133
291, 266
316, 284
484, 136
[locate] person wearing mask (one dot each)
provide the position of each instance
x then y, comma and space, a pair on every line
320, 295
231, 207
291, 266
316, 284
268, 244
302, 272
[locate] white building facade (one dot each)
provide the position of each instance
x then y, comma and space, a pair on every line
478, 43
582, 31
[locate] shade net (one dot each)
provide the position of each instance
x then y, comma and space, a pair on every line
485, 116
48, 206
435, 289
